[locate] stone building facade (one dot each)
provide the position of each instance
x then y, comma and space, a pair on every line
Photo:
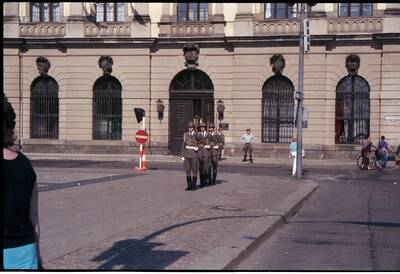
69, 98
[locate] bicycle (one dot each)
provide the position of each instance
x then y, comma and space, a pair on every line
363, 162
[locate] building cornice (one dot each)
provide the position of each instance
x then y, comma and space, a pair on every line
331, 40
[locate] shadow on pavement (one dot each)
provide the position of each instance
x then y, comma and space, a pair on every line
137, 254
133, 254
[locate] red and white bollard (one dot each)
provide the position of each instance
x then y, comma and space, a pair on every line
142, 158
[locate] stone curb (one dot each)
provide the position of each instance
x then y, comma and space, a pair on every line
241, 244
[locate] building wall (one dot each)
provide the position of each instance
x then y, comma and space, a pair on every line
238, 68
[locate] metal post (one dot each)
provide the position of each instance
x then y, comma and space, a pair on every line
299, 156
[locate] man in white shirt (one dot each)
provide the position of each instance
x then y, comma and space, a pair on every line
247, 140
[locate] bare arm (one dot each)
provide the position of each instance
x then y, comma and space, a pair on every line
34, 217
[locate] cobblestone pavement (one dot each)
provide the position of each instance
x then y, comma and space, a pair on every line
109, 216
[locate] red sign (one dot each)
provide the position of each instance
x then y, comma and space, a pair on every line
141, 136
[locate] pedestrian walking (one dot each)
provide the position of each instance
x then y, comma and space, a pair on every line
247, 140
190, 156
20, 204
383, 151
215, 143
203, 142
221, 135
293, 154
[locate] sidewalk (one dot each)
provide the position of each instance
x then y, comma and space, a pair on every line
98, 218
177, 159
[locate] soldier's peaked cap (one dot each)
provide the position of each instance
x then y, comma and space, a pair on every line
190, 124
211, 125
203, 124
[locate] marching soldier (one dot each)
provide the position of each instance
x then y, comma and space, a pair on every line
204, 153
222, 144
215, 143
191, 156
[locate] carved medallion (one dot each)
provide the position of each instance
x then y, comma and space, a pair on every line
43, 65
278, 63
191, 52
352, 64
105, 63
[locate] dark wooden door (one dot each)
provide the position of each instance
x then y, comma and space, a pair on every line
181, 112
208, 110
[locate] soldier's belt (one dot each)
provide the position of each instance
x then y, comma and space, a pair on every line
207, 146
194, 148
215, 146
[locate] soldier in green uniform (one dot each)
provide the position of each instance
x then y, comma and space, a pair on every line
191, 156
222, 144
204, 153
215, 143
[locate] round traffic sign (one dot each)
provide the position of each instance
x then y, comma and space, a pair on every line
141, 136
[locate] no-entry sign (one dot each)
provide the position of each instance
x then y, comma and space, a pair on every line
141, 136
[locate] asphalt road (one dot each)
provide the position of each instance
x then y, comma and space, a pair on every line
351, 222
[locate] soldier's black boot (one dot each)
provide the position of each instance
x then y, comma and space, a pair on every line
251, 159
189, 183
244, 159
214, 179
194, 181
209, 177
201, 180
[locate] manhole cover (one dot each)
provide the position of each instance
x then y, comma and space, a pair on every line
227, 208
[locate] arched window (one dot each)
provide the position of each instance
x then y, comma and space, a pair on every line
107, 109
352, 110
44, 108
188, 80
278, 110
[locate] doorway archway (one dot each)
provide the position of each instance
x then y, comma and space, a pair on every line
191, 96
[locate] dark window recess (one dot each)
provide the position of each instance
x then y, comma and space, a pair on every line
45, 12
44, 108
352, 110
107, 109
279, 11
110, 12
277, 110
188, 80
355, 9
192, 11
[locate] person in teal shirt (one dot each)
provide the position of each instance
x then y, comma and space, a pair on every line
293, 154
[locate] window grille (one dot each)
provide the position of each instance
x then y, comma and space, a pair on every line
278, 110
352, 110
188, 80
44, 108
192, 11
107, 109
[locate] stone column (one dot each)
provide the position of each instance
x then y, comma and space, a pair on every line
219, 19
165, 25
75, 20
318, 11
11, 19
141, 20
392, 9
243, 25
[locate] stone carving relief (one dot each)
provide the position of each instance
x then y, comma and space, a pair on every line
278, 63
43, 65
352, 64
191, 52
105, 63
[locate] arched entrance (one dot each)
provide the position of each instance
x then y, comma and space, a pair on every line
191, 95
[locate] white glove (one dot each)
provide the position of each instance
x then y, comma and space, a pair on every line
196, 149
183, 158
